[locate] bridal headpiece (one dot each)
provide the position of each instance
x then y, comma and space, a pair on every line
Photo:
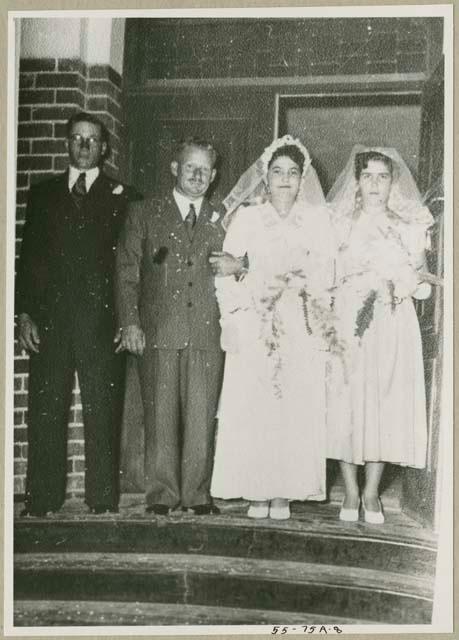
251, 186
404, 199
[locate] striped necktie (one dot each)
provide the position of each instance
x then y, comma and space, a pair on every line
79, 189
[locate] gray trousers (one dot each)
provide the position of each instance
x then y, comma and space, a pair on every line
180, 392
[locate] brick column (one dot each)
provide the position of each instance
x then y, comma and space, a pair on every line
51, 90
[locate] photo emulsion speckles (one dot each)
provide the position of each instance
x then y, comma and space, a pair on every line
232, 322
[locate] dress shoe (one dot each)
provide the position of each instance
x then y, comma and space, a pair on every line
35, 513
158, 509
98, 509
203, 509
258, 510
348, 515
279, 513
373, 517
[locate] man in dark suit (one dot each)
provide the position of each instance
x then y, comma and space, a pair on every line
170, 319
66, 320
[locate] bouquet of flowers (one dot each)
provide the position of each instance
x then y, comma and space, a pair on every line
319, 317
383, 272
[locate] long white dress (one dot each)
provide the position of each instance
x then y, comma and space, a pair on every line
271, 420
379, 413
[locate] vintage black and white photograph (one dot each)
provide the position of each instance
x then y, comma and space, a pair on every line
229, 382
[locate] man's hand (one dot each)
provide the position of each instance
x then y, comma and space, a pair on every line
29, 338
224, 264
132, 339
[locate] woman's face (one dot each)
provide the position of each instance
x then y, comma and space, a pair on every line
284, 178
375, 183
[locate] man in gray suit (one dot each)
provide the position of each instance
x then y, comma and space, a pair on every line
169, 318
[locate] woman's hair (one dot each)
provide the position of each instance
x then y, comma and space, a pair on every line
290, 150
362, 160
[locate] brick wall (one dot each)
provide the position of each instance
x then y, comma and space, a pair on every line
247, 48
51, 90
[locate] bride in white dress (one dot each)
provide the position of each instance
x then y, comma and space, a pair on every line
379, 414
276, 328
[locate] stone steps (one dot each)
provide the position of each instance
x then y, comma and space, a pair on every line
311, 541
140, 569
318, 589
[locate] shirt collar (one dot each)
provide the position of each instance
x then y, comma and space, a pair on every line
183, 203
91, 175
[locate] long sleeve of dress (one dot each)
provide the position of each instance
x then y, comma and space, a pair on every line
416, 239
324, 251
234, 295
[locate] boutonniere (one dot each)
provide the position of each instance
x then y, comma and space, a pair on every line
215, 217
118, 190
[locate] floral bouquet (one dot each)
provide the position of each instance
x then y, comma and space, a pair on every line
319, 317
383, 272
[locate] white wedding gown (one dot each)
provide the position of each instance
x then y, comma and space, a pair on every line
271, 421
380, 413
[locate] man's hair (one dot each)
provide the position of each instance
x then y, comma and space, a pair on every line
84, 116
196, 142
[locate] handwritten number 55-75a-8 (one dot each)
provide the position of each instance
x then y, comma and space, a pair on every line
282, 630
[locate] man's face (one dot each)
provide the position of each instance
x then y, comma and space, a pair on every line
85, 146
193, 172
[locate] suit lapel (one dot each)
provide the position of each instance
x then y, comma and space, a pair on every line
62, 192
99, 191
174, 218
203, 219
60, 203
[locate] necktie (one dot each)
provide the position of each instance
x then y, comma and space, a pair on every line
190, 221
79, 189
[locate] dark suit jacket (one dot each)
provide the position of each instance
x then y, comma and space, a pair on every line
164, 282
65, 273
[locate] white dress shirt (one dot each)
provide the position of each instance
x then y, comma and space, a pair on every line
91, 175
183, 203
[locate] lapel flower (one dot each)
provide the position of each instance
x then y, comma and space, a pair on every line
215, 217
118, 190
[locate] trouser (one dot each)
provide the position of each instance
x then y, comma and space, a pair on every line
180, 391
101, 378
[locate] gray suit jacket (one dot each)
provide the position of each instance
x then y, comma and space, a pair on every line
164, 282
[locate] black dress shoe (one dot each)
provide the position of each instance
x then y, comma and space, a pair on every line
159, 509
36, 513
103, 508
203, 509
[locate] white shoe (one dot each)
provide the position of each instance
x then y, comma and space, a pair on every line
348, 515
258, 511
373, 517
279, 513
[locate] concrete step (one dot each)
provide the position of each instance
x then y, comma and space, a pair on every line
275, 585
45, 613
312, 539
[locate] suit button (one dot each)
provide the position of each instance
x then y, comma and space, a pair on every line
190, 263
190, 284
190, 304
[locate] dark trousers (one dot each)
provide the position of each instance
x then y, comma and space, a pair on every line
180, 391
101, 377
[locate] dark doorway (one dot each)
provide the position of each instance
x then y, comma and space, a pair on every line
330, 125
412, 122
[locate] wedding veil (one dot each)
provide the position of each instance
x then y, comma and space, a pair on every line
404, 199
251, 186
